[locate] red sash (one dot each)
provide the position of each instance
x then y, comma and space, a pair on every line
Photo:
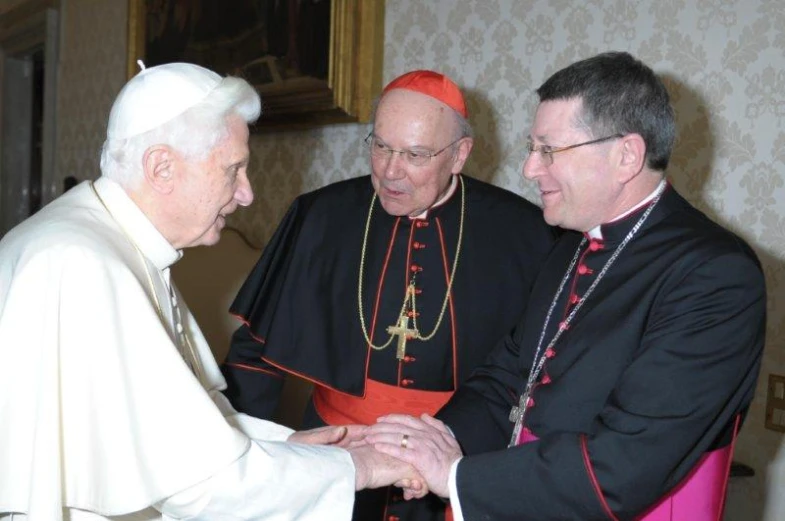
342, 409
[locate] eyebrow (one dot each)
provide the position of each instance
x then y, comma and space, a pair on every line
410, 147
240, 163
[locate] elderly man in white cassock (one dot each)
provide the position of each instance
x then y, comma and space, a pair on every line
110, 401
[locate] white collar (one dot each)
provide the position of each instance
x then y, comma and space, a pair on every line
136, 225
596, 232
443, 199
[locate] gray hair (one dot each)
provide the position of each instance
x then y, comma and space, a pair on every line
194, 133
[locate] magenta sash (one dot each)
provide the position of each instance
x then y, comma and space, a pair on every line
699, 497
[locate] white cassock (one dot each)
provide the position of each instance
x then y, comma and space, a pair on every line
106, 409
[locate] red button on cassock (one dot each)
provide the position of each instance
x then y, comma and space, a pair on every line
595, 245
584, 269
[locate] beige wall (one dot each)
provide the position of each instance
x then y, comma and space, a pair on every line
723, 62
91, 73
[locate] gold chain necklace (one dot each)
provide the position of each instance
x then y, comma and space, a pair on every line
401, 329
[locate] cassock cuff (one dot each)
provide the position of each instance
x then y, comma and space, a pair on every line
457, 513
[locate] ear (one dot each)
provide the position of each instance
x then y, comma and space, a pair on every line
633, 157
462, 154
158, 162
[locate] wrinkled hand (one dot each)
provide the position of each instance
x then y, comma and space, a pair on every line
340, 436
430, 447
355, 437
375, 469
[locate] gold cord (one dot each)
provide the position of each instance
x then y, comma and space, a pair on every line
409, 296
196, 366
142, 258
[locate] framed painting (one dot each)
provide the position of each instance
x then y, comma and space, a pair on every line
314, 62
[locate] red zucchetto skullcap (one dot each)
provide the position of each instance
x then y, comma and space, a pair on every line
433, 84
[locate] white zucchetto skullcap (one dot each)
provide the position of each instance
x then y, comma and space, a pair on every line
157, 95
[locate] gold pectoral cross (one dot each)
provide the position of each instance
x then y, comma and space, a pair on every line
404, 333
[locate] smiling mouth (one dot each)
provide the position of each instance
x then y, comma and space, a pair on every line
546, 195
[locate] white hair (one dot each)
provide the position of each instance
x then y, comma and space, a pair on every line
194, 133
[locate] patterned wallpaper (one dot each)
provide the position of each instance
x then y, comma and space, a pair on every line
91, 73
724, 63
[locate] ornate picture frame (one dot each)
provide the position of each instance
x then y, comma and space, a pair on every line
351, 64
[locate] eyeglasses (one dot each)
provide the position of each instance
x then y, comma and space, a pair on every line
414, 156
547, 151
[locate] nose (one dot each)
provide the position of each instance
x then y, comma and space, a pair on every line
243, 194
392, 168
533, 166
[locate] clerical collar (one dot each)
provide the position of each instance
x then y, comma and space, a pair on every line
596, 232
136, 225
443, 199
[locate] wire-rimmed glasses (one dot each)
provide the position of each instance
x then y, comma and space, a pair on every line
546, 151
415, 156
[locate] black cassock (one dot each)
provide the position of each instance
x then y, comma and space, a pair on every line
300, 301
652, 373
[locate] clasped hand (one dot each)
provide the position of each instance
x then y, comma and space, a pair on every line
425, 443
373, 469
414, 454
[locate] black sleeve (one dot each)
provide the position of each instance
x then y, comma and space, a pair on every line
253, 386
479, 410
258, 298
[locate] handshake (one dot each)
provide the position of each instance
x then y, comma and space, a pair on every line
415, 454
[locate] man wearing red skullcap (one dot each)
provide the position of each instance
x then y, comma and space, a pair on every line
386, 291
